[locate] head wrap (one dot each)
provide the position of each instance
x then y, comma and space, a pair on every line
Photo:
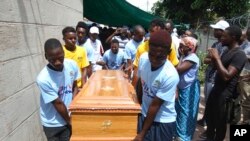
189, 42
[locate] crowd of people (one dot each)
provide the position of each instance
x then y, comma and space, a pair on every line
163, 68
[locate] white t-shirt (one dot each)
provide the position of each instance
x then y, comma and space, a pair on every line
176, 42
161, 83
97, 52
131, 48
122, 43
89, 50
54, 84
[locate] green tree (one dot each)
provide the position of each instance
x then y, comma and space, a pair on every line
195, 11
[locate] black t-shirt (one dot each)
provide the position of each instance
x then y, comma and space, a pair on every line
211, 70
234, 57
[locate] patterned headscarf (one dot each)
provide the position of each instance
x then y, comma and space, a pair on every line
189, 42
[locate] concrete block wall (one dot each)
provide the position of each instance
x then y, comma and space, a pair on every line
24, 27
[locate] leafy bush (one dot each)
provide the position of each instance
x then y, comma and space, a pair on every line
203, 66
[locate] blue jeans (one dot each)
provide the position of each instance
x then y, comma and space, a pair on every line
57, 133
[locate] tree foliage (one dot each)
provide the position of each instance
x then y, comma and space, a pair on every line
195, 11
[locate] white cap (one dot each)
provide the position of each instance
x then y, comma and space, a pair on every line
220, 25
93, 30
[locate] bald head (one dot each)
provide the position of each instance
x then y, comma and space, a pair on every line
139, 28
139, 33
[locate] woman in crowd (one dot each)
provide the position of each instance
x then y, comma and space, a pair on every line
187, 103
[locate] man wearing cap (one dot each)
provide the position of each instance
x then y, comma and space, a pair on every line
210, 72
94, 43
159, 79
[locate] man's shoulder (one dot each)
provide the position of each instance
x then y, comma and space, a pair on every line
144, 58
43, 76
98, 41
216, 44
107, 52
86, 43
130, 42
79, 48
169, 70
241, 53
121, 53
143, 47
68, 63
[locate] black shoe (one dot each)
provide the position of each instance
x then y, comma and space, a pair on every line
202, 122
203, 135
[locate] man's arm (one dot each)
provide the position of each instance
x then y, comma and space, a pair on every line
75, 88
103, 64
84, 76
184, 66
122, 66
89, 69
61, 109
139, 91
152, 111
207, 60
135, 77
129, 68
225, 73
108, 40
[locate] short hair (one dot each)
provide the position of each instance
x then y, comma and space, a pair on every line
52, 43
171, 23
67, 30
115, 41
161, 38
158, 22
82, 25
235, 31
136, 27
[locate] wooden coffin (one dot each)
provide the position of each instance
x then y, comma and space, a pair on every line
106, 108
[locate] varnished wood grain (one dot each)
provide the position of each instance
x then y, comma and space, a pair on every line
106, 89
105, 109
104, 126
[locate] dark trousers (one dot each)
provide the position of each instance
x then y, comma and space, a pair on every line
57, 133
158, 131
216, 116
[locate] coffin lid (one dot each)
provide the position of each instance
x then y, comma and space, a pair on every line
106, 91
